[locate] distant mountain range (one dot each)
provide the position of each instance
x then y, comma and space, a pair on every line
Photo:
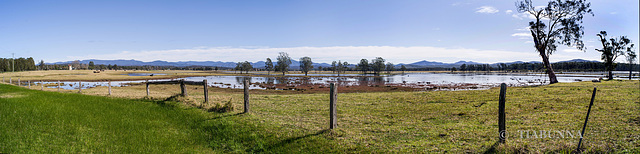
294, 64
120, 62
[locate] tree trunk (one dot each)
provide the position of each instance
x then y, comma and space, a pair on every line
630, 70
610, 76
547, 64
305, 73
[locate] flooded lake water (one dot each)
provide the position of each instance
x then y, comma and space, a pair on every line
414, 80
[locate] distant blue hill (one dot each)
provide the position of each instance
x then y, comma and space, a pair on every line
294, 63
578, 60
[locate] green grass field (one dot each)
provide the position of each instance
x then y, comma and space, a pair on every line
437, 121
36, 122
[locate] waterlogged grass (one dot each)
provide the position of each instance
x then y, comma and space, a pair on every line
407, 122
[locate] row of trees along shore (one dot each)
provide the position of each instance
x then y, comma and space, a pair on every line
537, 67
283, 63
26, 64
378, 65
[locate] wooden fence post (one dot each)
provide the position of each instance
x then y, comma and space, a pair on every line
41, 85
147, 88
246, 95
2, 79
10, 80
58, 85
109, 84
29, 83
206, 91
333, 98
183, 88
501, 115
18, 82
593, 96
79, 86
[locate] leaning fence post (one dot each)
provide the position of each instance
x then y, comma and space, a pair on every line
41, 85
58, 85
79, 86
593, 96
147, 88
246, 95
109, 85
333, 98
501, 115
183, 88
206, 91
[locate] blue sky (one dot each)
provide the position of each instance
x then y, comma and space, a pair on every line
399, 31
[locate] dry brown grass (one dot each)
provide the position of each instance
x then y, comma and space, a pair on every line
218, 98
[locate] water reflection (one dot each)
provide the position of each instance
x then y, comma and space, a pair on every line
378, 80
270, 81
240, 79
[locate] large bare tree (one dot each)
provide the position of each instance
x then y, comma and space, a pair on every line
558, 23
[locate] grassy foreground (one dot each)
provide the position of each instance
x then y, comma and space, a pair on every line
439, 121
39, 121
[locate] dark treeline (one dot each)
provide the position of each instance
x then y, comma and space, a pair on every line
21, 64
539, 67
91, 66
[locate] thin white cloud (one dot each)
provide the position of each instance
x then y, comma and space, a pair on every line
523, 29
522, 16
352, 54
528, 42
571, 50
487, 10
521, 34
508, 11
